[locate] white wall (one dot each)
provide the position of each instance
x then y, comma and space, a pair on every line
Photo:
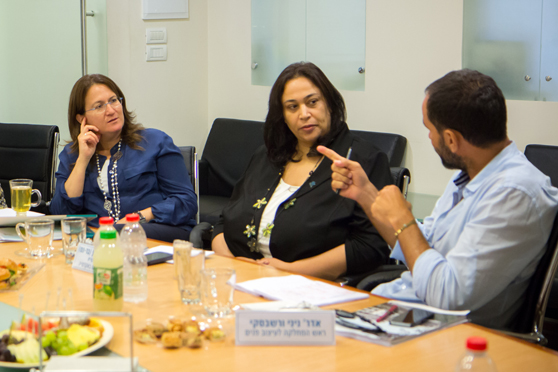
409, 44
169, 95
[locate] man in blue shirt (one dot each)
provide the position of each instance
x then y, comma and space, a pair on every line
487, 232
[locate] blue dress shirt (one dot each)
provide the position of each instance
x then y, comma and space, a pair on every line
487, 236
154, 177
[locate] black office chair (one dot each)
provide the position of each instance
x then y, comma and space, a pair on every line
393, 145
545, 158
529, 323
219, 170
227, 152
29, 151
191, 161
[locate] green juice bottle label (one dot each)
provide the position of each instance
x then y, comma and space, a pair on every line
107, 283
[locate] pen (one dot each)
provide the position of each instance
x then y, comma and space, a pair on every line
347, 157
390, 311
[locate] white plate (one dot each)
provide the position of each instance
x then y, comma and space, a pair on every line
105, 338
8, 217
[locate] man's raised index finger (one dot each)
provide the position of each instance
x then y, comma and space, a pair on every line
332, 155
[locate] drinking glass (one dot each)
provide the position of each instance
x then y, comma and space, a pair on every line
217, 291
21, 191
188, 262
38, 236
73, 233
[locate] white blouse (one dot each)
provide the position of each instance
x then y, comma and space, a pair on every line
281, 193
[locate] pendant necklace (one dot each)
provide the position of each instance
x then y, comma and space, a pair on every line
114, 183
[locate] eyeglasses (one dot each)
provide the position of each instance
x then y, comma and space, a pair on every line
100, 108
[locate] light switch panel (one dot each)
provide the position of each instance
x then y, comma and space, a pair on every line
156, 35
156, 53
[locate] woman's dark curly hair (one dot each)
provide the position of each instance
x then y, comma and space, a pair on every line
279, 139
130, 131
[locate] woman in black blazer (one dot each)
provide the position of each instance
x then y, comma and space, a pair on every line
283, 212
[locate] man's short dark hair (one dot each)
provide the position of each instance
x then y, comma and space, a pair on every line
470, 103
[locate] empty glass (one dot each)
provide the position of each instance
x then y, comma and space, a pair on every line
38, 236
217, 291
73, 233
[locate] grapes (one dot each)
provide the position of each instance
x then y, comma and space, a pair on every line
48, 338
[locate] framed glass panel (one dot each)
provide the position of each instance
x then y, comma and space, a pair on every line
336, 40
329, 33
278, 37
549, 51
502, 39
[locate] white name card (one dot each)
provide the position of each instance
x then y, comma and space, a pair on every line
84, 258
316, 327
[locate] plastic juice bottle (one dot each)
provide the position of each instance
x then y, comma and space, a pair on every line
105, 224
108, 262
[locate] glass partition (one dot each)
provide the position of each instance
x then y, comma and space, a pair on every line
501, 38
329, 33
41, 58
549, 52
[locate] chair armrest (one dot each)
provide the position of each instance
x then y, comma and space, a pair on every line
401, 178
203, 169
200, 236
383, 274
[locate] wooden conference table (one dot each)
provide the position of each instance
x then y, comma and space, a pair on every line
439, 351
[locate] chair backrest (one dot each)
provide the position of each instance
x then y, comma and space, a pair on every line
227, 152
545, 158
392, 144
191, 161
29, 151
531, 317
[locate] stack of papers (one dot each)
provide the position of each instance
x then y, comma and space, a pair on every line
296, 288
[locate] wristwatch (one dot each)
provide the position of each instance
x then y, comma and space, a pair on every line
142, 217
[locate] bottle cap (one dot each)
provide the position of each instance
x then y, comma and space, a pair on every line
106, 221
108, 234
476, 343
132, 217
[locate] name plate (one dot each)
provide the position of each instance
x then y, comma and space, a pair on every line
83, 259
316, 327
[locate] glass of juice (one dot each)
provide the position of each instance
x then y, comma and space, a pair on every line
21, 191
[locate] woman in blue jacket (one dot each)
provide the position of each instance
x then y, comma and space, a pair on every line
114, 166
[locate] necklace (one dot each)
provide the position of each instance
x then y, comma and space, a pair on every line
114, 183
251, 231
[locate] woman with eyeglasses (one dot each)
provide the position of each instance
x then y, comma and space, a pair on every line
114, 166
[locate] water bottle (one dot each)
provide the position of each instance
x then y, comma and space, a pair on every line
134, 242
105, 224
476, 359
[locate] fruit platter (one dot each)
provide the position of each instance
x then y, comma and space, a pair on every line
19, 345
14, 275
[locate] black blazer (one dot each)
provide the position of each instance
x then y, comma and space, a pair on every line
318, 220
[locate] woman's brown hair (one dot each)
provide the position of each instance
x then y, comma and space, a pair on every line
130, 131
